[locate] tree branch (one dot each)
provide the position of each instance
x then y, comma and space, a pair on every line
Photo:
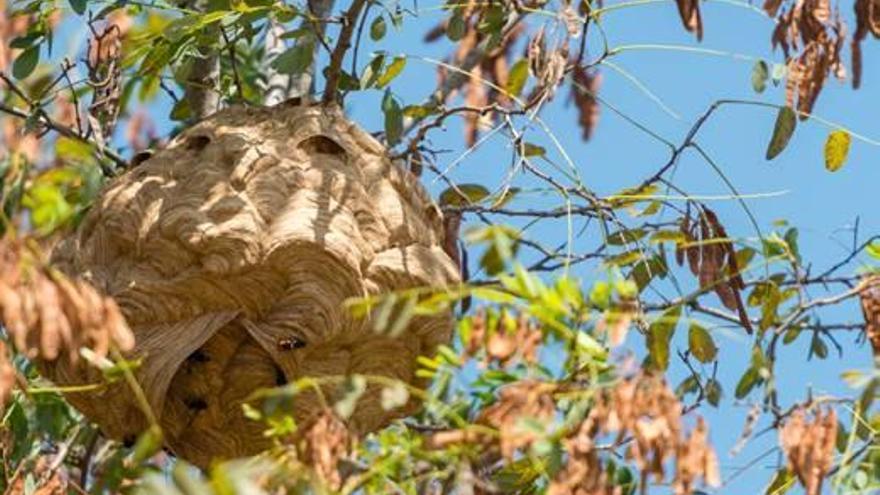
67, 132
201, 85
349, 22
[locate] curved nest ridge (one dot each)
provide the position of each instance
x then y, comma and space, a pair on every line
231, 253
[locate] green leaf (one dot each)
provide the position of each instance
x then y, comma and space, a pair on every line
78, 6
747, 382
622, 237
659, 335
818, 347
26, 62
394, 69
147, 445
873, 250
786, 121
689, 386
836, 149
517, 77
295, 60
530, 150
181, 110
600, 295
760, 74
713, 392
701, 344
186, 477
457, 27
393, 118
782, 481
463, 194
378, 28
73, 150
419, 112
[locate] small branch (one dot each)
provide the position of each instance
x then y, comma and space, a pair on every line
233, 64
349, 22
67, 132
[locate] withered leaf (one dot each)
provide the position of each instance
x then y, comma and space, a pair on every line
836, 149
689, 10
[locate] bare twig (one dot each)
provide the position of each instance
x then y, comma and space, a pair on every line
46, 121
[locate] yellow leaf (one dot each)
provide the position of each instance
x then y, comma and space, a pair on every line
836, 150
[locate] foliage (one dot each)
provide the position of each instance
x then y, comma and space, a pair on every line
553, 384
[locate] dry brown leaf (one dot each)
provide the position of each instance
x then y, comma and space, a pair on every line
645, 409
585, 87
870, 301
47, 315
809, 446
689, 10
523, 399
326, 442
570, 19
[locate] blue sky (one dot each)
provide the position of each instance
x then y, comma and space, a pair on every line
823, 205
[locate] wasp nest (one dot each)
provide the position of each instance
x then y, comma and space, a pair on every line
231, 253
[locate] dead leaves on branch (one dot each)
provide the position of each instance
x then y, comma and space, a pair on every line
324, 443
473, 26
480, 30
869, 297
584, 88
809, 445
504, 339
104, 63
641, 416
644, 412
811, 36
48, 316
867, 21
711, 257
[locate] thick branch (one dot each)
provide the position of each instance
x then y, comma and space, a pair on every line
349, 22
202, 82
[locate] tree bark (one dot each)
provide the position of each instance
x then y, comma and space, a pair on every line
201, 89
280, 87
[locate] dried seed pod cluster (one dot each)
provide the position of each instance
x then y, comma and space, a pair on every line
869, 297
48, 315
646, 410
231, 253
809, 446
712, 259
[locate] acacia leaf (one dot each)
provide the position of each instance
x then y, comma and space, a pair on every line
836, 149
760, 74
463, 194
786, 121
378, 28
26, 62
701, 344
517, 77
